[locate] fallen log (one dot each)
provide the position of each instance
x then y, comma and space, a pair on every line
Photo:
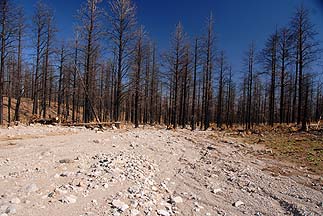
92, 124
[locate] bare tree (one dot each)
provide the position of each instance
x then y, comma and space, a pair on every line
50, 30
40, 19
90, 30
269, 58
138, 69
19, 90
175, 60
208, 71
284, 54
306, 52
193, 119
222, 70
8, 29
122, 18
250, 61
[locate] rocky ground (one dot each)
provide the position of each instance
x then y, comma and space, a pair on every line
76, 171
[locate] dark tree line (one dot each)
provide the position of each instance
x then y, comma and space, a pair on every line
112, 71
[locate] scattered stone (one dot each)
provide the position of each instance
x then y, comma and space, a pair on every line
96, 141
59, 191
134, 203
66, 161
31, 188
211, 148
163, 212
134, 212
176, 200
3, 208
95, 202
215, 191
11, 210
80, 184
238, 203
66, 174
15, 200
69, 199
121, 206
133, 190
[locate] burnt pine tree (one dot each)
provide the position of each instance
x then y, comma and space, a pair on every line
222, 68
193, 118
284, 55
306, 52
122, 19
175, 59
208, 71
90, 32
8, 30
39, 21
50, 30
250, 61
269, 57
138, 68
19, 89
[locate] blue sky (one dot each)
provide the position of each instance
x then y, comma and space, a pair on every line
237, 22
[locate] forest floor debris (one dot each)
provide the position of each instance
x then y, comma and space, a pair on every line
75, 171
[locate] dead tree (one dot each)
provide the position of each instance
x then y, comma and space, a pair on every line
122, 19
175, 59
208, 72
90, 32
138, 69
8, 29
60, 80
284, 53
19, 89
193, 118
39, 21
306, 52
222, 68
47, 53
269, 58
250, 79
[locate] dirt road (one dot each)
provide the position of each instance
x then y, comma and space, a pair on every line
75, 171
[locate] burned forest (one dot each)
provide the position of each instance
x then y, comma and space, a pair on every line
161, 108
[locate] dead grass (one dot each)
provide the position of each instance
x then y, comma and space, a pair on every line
304, 149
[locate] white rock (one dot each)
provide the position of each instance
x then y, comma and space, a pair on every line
31, 188
163, 212
3, 208
238, 203
69, 199
133, 189
134, 212
4, 214
11, 210
15, 200
216, 190
121, 206
177, 200
134, 203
